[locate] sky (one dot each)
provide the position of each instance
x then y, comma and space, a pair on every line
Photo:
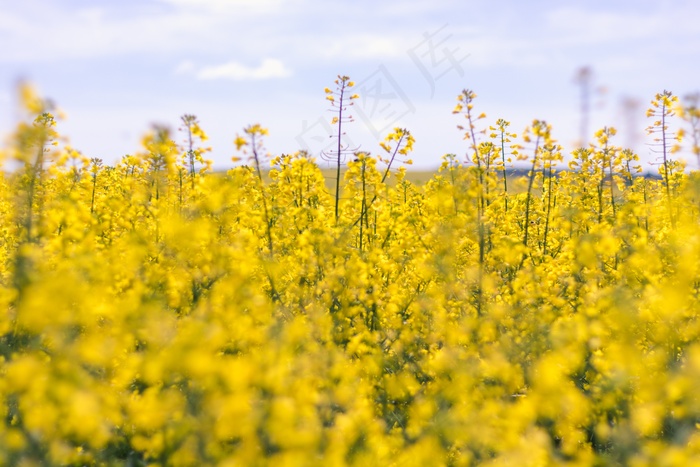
116, 68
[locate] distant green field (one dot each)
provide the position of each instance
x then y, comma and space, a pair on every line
517, 177
418, 177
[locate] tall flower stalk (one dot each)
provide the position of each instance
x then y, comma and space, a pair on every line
340, 103
665, 142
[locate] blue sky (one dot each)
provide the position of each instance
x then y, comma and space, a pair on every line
117, 67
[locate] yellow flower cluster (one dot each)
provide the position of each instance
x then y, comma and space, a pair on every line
231, 319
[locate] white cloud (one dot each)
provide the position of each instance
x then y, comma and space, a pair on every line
269, 68
92, 32
185, 67
578, 26
162, 27
252, 6
366, 46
